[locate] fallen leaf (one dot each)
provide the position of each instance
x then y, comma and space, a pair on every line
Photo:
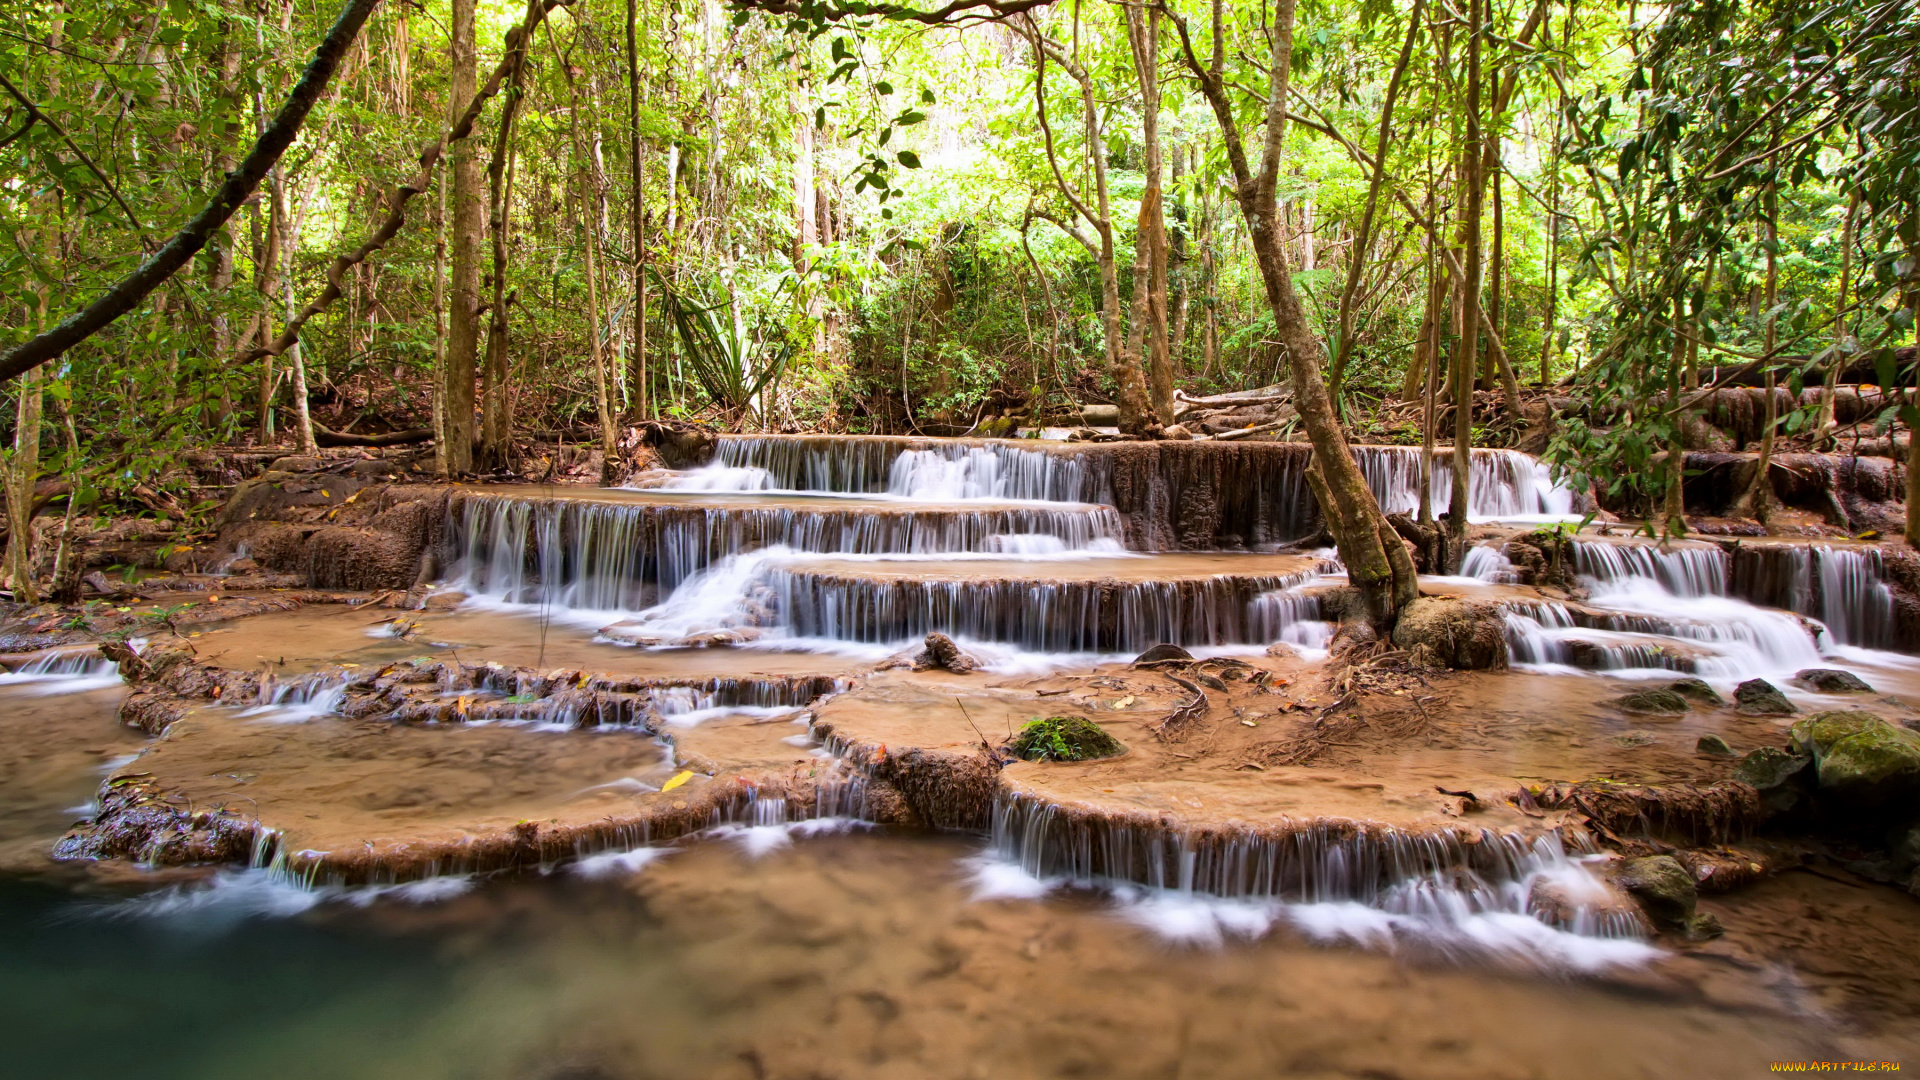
1123, 702
681, 777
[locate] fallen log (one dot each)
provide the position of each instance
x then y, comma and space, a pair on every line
326, 436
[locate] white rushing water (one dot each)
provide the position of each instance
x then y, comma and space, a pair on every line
1655, 610
1502, 899
73, 671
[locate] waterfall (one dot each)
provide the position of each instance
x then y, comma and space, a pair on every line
1681, 571
910, 468
623, 556
1488, 563
1714, 637
1046, 616
1501, 484
1482, 890
1855, 602
65, 671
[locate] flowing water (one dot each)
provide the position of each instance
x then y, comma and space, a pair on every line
805, 941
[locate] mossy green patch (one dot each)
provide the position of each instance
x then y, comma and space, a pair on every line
1064, 738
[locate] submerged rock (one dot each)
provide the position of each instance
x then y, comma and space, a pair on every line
1465, 634
1658, 700
1832, 681
1758, 697
1714, 746
1664, 888
1696, 690
1064, 738
941, 652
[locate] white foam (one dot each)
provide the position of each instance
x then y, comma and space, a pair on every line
618, 863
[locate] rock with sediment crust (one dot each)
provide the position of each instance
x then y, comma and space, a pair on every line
1464, 634
942, 653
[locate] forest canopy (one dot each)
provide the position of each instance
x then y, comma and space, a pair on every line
501, 221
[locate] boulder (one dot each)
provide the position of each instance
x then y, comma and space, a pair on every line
1465, 634
1832, 681
941, 652
1714, 746
1779, 776
1878, 768
1696, 690
1758, 697
1655, 700
1814, 735
1664, 888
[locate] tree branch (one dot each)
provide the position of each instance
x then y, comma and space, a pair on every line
34, 113
239, 185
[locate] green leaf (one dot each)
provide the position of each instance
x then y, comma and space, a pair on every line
910, 159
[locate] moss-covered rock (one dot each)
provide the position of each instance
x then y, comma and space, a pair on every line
1663, 887
1781, 777
1758, 697
1814, 735
1696, 690
1655, 700
1878, 767
1464, 634
1064, 738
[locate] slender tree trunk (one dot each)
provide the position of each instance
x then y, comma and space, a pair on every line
497, 405
589, 201
1841, 352
440, 425
1376, 558
642, 407
1143, 32
1363, 239
1467, 347
463, 315
1757, 500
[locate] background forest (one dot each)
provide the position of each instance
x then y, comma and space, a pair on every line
786, 216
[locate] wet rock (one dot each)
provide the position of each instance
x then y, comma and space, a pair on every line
1664, 888
1813, 736
1720, 870
1705, 927
1779, 776
1064, 738
1758, 697
1656, 700
1877, 768
1281, 650
1832, 681
1158, 653
1696, 690
1465, 634
443, 601
1714, 746
941, 652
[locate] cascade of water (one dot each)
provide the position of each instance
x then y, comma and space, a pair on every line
1488, 563
911, 469
1680, 570
719, 477
1715, 637
610, 557
1048, 616
1436, 877
1855, 602
1502, 484
66, 671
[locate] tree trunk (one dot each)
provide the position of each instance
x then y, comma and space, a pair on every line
1376, 558
1757, 500
1467, 347
637, 380
1143, 33
463, 315
497, 405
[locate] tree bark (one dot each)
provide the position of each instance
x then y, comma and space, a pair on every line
127, 293
638, 377
463, 302
1467, 347
1143, 33
1376, 558
497, 404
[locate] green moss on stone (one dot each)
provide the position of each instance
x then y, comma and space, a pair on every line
1064, 738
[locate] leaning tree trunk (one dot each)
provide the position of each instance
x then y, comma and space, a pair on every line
1467, 348
1376, 558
